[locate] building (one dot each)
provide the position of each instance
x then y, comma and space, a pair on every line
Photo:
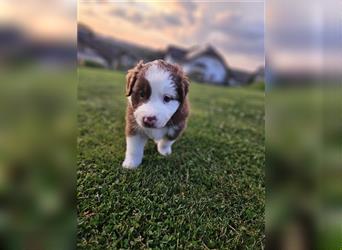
203, 64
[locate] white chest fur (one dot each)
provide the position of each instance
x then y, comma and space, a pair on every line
155, 133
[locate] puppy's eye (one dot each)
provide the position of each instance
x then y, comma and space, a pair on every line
142, 93
167, 98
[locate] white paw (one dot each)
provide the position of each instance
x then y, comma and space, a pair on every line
131, 163
164, 150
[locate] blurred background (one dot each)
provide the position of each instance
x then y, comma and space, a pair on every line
218, 43
37, 124
303, 124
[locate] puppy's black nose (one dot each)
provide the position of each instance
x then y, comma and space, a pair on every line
149, 121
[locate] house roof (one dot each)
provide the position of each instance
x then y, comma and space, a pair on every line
176, 53
198, 51
183, 55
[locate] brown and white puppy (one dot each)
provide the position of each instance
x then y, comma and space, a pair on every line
157, 108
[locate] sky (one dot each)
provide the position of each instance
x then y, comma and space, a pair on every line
234, 28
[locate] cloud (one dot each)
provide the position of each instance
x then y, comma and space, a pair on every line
236, 45
241, 25
189, 9
128, 16
148, 20
233, 28
90, 12
238, 26
172, 20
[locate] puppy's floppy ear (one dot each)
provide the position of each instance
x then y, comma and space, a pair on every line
131, 77
185, 85
183, 82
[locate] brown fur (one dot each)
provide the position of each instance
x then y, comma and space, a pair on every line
136, 83
131, 124
131, 77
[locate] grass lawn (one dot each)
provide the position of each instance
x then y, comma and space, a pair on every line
210, 193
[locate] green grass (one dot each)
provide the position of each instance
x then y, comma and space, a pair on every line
210, 193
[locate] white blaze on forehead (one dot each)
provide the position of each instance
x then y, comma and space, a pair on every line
159, 80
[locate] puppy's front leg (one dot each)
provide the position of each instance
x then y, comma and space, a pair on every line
164, 146
134, 150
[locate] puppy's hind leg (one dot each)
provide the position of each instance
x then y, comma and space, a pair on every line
164, 146
134, 151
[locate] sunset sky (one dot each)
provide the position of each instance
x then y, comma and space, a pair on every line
235, 28
306, 40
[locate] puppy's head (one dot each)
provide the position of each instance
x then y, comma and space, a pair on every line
155, 90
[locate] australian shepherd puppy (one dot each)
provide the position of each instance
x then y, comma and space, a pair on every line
157, 108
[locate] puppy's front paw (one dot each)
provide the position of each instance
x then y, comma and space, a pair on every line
131, 163
164, 149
